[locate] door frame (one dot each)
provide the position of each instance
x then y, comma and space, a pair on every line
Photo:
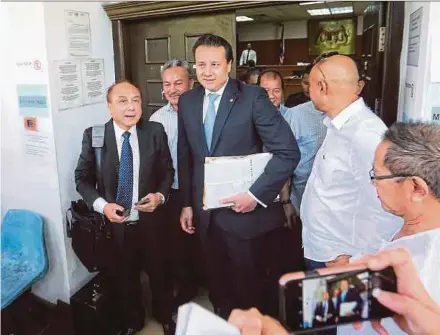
121, 13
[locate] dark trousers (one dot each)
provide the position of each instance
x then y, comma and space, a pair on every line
138, 247
182, 252
244, 273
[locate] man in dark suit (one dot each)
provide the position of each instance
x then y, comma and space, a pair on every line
324, 312
224, 117
349, 295
136, 165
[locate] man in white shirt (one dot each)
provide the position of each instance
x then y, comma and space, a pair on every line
340, 211
176, 80
248, 55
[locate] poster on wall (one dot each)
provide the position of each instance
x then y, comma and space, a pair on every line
69, 84
333, 35
92, 72
415, 31
32, 99
78, 33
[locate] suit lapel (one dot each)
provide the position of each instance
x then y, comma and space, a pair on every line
143, 146
199, 121
224, 109
110, 162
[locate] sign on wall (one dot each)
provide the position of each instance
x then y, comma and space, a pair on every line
78, 33
415, 31
333, 35
32, 99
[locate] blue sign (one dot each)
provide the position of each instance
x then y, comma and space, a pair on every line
32, 100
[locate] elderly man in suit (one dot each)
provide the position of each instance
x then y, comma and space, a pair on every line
136, 165
224, 117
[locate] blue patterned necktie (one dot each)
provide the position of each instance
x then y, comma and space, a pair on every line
210, 118
124, 196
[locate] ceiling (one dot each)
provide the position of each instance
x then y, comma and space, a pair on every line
295, 12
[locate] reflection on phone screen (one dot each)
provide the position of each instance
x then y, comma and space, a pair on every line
328, 301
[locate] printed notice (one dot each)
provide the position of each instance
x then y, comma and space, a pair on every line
78, 33
92, 71
37, 146
32, 99
69, 84
415, 31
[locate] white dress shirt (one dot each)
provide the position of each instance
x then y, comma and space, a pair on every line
340, 211
244, 56
167, 116
216, 104
424, 249
99, 203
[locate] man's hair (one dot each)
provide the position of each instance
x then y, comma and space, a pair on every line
110, 89
252, 72
177, 63
210, 40
272, 74
307, 69
415, 150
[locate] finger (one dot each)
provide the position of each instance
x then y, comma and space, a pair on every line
357, 325
377, 326
227, 200
116, 207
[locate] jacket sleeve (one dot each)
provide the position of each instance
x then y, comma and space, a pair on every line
85, 172
278, 139
165, 163
184, 161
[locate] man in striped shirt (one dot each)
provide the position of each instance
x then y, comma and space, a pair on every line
176, 80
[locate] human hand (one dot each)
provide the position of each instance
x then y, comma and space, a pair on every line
289, 212
252, 322
416, 312
155, 199
242, 202
110, 213
339, 261
186, 220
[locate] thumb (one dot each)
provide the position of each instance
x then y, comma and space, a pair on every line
118, 207
399, 304
226, 200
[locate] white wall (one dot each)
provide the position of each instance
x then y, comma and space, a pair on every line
427, 73
272, 31
69, 124
36, 31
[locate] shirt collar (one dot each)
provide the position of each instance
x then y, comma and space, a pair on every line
119, 131
219, 92
342, 118
170, 108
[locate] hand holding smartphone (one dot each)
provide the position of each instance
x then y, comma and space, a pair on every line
124, 213
326, 298
143, 201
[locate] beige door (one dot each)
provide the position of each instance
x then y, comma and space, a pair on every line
153, 42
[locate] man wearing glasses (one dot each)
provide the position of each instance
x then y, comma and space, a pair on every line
340, 211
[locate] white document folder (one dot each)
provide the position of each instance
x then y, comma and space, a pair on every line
193, 319
227, 176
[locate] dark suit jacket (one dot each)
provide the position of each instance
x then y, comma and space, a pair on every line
246, 120
319, 311
351, 296
156, 171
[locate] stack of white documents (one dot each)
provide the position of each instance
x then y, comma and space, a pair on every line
193, 319
227, 176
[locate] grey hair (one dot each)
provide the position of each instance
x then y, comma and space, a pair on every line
415, 150
177, 63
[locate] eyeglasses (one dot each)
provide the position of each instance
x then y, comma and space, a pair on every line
325, 55
390, 176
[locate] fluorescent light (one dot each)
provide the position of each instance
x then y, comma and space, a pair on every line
342, 10
320, 11
243, 18
310, 3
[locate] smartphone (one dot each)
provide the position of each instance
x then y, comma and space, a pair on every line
124, 213
326, 298
142, 201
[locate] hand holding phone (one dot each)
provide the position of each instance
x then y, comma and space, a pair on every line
326, 298
143, 201
125, 213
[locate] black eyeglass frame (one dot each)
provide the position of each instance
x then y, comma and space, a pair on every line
390, 176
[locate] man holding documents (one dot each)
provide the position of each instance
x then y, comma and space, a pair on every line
224, 117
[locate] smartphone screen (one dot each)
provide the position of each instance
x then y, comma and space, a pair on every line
319, 302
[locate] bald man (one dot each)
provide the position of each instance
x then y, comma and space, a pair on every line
340, 211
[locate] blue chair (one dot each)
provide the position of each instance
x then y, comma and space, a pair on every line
24, 259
